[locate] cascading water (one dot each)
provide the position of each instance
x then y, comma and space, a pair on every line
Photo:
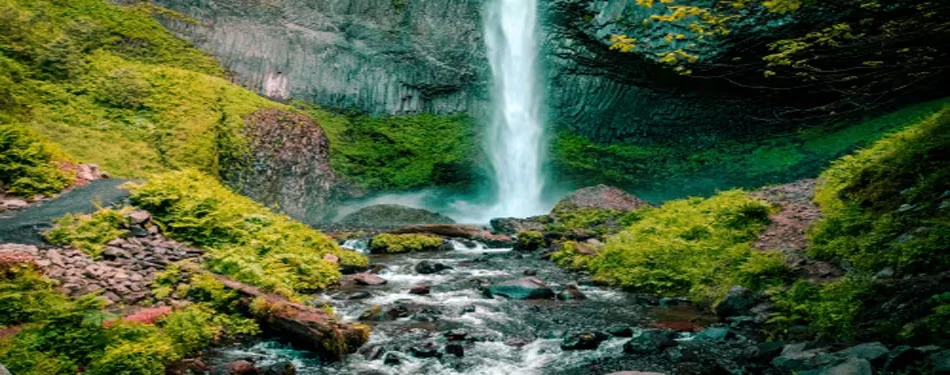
516, 134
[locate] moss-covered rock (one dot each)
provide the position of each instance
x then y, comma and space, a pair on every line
530, 241
392, 215
404, 243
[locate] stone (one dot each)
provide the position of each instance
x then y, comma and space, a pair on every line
650, 342
331, 258
138, 217
885, 273
426, 350
426, 267
941, 362
714, 334
458, 334
13, 204
600, 197
3, 370
795, 357
242, 368
620, 331
902, 357
392, 215
738, 302
421, 290
455, 349
512, 226
516, 342
392, 359
851, 366
571, 293
279, 368
520, 289
874, 352
583, 341
365, 278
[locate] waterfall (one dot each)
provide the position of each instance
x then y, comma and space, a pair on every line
516, 134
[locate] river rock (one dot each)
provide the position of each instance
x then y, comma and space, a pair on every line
242, 368
426, 350
600, 197
421, 290
714, 334
511, 226
366, 278
650, 342
583, 341
279, 368
620, 331
455, 349
520, 289
426, 267
737, 302
874, 352
138, 217
570, 293
851, 366
392, 215
516, 342
13, 204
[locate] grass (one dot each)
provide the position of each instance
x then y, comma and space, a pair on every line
404, 243
404, 152
30, 165
695, 247
243, 239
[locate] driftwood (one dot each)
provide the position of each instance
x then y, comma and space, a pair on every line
308, 328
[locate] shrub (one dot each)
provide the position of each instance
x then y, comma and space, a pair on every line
28, 164
196, 326
600, 222
89, 233
530, 241
568, 256
404, 243
697, 247
147, 357
243, 239
26, 296
828, 310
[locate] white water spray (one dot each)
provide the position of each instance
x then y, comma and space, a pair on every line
516, 134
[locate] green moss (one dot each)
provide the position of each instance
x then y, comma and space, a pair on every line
404, 243
400, 152
695, 247
568, 256
29, 165
89, 233
885, 205
242, 238
599, 222
530, 241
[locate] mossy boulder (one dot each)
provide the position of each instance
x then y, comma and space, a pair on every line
392, 215
530, 241
404, 243
600, 197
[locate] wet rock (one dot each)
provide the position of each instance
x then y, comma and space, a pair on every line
138, 217
426, 267
468, 309
470, 232
512, 225
392, 215
766, 351
516, 342
903, 357
650, 342
242, 368
530, 273
426, 315
941, 362
392, 359
421, 290
13, 204
737, 302
714, 334
795, 357
570, 293
600, 197
427, 350
366, 278
520, 289
874, 352
620, 331
359, 295
455, 349
530, 241
851, 366
583, 341
279, 368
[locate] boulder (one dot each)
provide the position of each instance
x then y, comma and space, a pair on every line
714, 334
795, 357
138, 217
13, 204
279, 368
620, 331
583, 341
392, 215
650, 342
530, 241
520, 289
426, 350
600, 197
571, 293
851, 366
511, 226
426, 267
738, 302
242, 368
455, 349
421, 290
366, 278
874, 352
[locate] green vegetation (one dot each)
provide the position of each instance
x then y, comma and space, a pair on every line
404, 243
111, 86
752, 163
89, 233
883, 207
695, 247
530, 241
28, 164
60, 335
600, 222
243, 239
400, 152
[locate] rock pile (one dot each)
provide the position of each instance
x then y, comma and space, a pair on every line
123, 273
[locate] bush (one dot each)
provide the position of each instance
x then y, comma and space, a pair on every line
28, 164
147, 357
828, 310
89, 233
243, 239
404, 243
196, 326
600, 222
26, 296
695, 247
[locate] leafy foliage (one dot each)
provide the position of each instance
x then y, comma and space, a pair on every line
404, 243
28, 164
400, 152
530, 241
89, 233
26, 296
697, 247
243, 239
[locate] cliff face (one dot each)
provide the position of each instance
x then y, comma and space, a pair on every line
379, 56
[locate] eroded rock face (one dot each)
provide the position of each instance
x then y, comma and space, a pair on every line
287, 165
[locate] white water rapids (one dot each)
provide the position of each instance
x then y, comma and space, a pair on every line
516, 133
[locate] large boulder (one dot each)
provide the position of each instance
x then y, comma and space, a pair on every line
738, 302
600, 197
511, 225
650, 342
392, 215
523, 288
583, 341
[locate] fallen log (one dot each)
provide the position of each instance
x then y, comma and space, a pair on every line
306, 327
